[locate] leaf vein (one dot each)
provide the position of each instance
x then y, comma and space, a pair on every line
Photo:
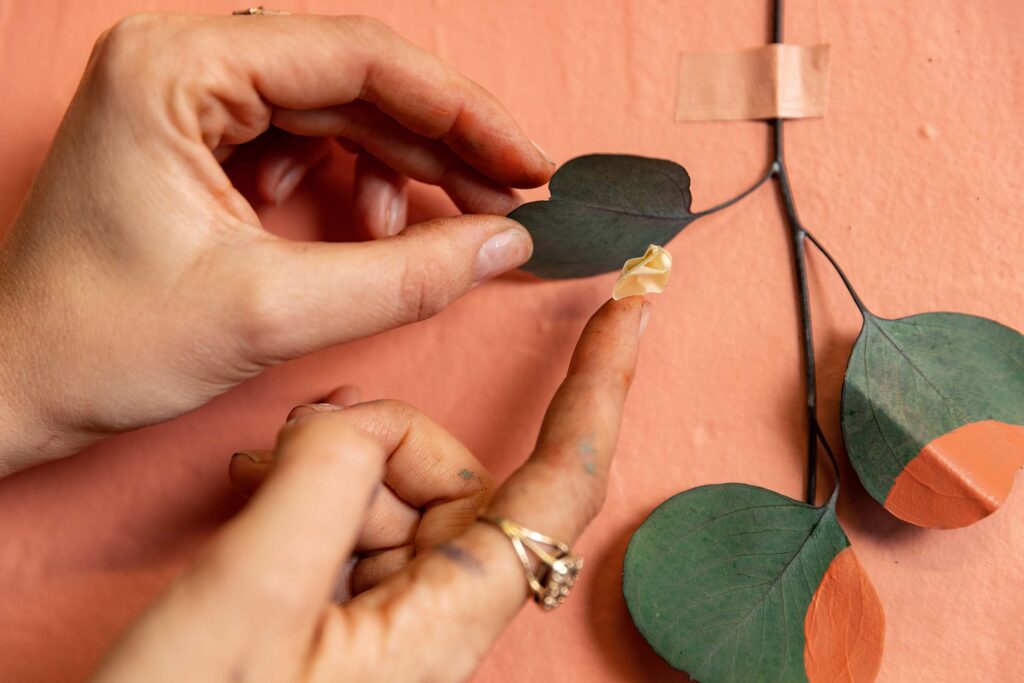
757, 605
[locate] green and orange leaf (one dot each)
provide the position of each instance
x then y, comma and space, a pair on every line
933, 415
737, 584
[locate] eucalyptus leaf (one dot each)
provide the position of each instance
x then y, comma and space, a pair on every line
604, 209
944, 391
719, 580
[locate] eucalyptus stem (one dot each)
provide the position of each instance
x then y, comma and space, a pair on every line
842, 276
799, 235
718, 207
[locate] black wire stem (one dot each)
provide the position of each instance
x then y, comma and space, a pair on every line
799, 234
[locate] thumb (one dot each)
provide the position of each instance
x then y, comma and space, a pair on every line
308, 296
303, 523
256, 598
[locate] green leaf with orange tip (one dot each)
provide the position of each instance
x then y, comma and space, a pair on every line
737, 584
604, 209
933, 415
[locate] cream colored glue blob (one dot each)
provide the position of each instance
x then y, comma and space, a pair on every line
647, 274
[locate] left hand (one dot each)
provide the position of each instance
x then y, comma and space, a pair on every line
137, 283
434, 588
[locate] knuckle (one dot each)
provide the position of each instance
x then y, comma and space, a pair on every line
593, 499
477, 483
582, 494
133, 28
265, 322
140, 55
423, 289
385, 415
147, 53
367, 26
584, 489
485, 480
327, 441
476, 487
142, 21
120, 45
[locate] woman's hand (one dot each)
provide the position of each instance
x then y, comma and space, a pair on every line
137, 283
434, 588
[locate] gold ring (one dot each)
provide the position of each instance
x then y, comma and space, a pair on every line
562, 568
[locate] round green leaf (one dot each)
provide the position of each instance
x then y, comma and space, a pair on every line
719, 579
915, 379
604, 209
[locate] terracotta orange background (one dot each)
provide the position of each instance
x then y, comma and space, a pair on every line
913, 179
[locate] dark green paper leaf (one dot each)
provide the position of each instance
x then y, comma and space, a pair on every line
913, 380
719, 579
604, 209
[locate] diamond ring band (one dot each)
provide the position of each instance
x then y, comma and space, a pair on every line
560, 567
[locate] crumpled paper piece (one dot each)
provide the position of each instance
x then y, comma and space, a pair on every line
647, 274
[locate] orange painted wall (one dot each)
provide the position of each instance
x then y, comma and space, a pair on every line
913, 180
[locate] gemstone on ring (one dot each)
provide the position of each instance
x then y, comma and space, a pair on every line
559, 580
561, 568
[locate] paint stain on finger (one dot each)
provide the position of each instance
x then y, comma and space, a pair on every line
461, 557
588, 455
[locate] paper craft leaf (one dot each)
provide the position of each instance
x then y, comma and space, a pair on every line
933, 415
604, 209
737, 584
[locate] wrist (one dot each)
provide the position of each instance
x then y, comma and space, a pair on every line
29, 431
17, 419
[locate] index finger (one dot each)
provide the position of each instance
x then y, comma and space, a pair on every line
303, 62
475, 584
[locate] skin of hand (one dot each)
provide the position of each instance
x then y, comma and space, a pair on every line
381, 483
137, 283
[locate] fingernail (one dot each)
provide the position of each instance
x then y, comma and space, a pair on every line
289, 180
345, 396
298, 412
324, 407
645, 314
503, 252
223, 152
394, 214
543, 153
249, 455
258, 11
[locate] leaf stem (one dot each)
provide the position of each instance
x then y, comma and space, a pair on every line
832, 459
767, 176
846, 281
778, 25
799, 234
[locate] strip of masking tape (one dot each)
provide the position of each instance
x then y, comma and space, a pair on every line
767, 82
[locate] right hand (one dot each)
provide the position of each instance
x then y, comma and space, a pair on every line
137, 283
381, 482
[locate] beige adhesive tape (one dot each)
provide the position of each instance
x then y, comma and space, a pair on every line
647, 274
768, 82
